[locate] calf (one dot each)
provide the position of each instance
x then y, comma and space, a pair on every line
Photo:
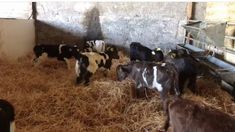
62, 52
188, 116
163, 77
94, 45
186, 67
142, 53
99, 46
87, 63
7, 116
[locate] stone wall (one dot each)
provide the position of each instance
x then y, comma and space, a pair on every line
153, 24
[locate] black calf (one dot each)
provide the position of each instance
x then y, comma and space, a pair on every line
142, 53
186, 67
7, 116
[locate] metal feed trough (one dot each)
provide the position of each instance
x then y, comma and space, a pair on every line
209, 36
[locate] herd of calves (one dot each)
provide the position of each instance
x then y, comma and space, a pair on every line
149, 68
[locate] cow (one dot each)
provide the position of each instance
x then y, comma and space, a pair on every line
186, 67
188, 116
161, 77
62, 52
87, 63
142, 53
7, 116
95, 46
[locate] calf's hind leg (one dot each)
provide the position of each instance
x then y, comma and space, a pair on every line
87, 77
140, 92
192, 84
80, 76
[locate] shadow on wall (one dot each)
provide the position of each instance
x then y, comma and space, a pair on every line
48, 34
92, 21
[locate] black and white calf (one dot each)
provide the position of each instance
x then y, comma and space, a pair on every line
186, 67
162, 77
142, 53
87, 63
94, 45
62, 52
7, 116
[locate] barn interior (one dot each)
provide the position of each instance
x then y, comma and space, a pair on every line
46, 97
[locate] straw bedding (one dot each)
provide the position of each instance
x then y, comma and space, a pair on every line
46, 99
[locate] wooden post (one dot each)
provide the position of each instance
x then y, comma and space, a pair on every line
190, 16
34, 14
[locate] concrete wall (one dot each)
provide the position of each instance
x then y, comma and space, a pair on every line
200, 10
17, 34
153, 24
16, 38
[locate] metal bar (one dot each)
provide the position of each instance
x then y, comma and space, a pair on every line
222, 50
192, 27
197, 41
208, 21
221, 63
230, 37
231, 23
194, 20
229, 51
227, 86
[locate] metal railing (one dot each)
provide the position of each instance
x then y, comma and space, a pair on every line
209, 46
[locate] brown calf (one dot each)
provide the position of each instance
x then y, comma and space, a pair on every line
188, 116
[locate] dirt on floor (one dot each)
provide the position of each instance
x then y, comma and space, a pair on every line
46, 99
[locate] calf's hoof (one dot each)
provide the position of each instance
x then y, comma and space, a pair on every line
86, 83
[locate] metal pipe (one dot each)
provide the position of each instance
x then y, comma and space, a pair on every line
221, 63
231, 23
230, 37
227, 86
192, 27
196, 40
218, 22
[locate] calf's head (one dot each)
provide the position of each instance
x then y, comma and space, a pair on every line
157, 55
76, 52
112, 52
38, 50
177, 53
123, 71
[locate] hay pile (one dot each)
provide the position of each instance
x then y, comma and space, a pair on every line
46, 99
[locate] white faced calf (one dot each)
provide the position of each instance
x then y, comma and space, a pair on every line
163, 78
94, 45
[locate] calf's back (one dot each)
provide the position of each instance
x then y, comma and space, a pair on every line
188, 116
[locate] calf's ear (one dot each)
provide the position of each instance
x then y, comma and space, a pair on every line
163, 64
173, 55
158, 49
153, 52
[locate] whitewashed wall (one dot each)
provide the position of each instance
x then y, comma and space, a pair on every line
153, 24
